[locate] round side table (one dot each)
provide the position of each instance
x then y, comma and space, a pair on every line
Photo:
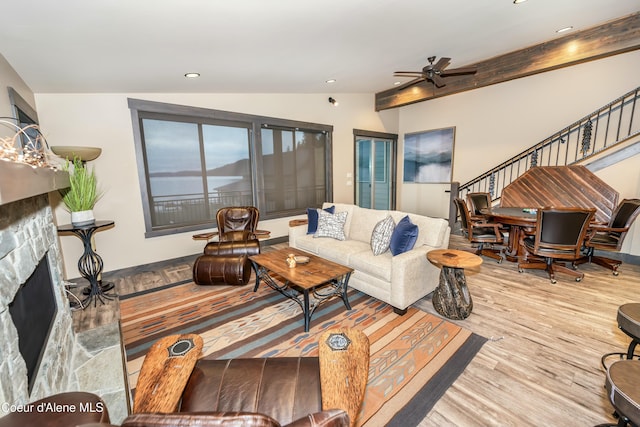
452, 298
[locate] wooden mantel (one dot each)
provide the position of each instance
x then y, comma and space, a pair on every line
614, 37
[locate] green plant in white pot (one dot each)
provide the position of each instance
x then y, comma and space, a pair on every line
82, 194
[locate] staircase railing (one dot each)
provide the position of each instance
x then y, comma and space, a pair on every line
606, 127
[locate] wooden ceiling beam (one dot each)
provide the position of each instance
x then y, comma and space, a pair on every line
612, 38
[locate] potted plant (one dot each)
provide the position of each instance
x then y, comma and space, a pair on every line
82, 194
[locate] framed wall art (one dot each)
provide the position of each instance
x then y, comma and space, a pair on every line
428, 156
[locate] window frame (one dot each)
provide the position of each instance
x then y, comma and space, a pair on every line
141, 108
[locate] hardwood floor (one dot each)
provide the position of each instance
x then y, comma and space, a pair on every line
541, 365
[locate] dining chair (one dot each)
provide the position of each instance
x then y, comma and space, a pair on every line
558, 238
480, 232
609, 237
477, 203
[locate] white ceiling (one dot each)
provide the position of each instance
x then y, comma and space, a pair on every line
269, 46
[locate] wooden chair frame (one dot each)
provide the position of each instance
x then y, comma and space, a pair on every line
480, 232
609, 237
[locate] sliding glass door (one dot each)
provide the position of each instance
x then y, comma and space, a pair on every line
375, 184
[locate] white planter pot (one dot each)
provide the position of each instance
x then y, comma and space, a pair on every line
82, 218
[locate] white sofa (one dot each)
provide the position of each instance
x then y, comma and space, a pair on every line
397, 280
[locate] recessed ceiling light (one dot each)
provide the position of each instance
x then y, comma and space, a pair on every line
564, 30
331, 81
192, 75
518, 1
396, 83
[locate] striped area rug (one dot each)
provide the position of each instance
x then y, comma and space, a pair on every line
414, 358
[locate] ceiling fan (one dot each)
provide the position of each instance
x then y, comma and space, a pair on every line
433, 72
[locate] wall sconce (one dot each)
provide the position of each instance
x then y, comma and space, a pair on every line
333, 102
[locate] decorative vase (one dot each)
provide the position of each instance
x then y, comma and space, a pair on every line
81, 218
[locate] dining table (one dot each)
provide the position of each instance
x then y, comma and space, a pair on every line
520, 220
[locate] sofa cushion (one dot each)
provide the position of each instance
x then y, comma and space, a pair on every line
377, 266
381, 235
363, 221
331, 225
404, 236
312, 218
341, 252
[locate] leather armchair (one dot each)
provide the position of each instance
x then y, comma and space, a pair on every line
234, 223
323, 391
282, 391
236, 232
266, 389
226, 261
333, 418
220, 393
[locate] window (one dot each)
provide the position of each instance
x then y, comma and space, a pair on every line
294, 169
193, 161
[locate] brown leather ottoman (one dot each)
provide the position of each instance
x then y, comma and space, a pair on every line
222, 269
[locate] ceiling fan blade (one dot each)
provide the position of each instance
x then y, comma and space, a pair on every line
410, 83
458, 71
413, 73
437, 80
441, 64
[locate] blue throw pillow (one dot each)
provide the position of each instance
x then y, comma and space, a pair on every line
404, 236
312, 218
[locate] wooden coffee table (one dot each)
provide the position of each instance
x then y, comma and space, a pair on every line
320, 278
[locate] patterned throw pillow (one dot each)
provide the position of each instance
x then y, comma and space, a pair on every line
312, 218
381, 236
331, 225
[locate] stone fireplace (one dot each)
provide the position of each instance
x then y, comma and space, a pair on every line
28, 234
68, 361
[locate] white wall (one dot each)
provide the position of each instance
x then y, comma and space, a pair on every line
496, 122
104, 120
9, 78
